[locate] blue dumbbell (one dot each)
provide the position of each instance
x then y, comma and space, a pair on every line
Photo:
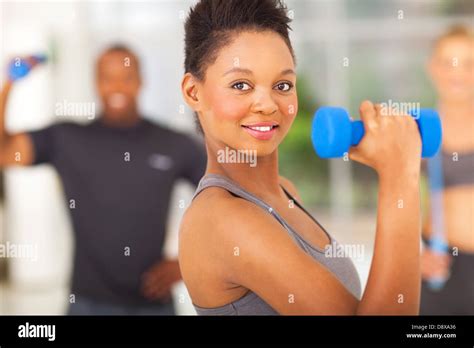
333, 132
20, 67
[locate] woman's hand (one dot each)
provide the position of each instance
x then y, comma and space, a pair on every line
434, 264
391, 144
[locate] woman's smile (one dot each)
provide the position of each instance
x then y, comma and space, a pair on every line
261, 130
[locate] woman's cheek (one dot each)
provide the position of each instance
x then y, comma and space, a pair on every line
228, 107
289, 110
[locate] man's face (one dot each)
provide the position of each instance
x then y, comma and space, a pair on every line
118, 84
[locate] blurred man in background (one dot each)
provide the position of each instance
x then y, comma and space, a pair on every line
451, 69
117, 173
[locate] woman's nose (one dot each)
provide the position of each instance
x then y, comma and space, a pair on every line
264, 102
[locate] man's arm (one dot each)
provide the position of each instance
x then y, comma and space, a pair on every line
15, 149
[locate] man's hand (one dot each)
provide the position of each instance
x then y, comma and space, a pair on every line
158, 280
434, 264
20, 67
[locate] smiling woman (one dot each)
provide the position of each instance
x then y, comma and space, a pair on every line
247, 245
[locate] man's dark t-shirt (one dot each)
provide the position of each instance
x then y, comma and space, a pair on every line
118, 183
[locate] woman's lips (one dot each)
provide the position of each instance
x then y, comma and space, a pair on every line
261, 131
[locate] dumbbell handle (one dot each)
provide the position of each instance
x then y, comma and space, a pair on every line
357, 132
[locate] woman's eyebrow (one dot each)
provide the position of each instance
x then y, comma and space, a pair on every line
288, 72
239, 70
249, 72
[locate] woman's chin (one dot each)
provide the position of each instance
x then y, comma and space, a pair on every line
254, 147
261, 149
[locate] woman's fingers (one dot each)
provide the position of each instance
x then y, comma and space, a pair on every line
368, 114
433, 265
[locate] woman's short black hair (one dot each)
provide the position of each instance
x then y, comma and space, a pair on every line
211, 25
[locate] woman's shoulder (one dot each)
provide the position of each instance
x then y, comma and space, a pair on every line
290, 187
216, 227
215, 210
217, 222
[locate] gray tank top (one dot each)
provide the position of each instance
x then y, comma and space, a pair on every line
251, 303
459, 171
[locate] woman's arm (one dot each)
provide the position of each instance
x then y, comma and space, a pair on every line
249, 248
393, 286
244, 246
392, 146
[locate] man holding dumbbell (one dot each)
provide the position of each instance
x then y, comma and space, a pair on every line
119, 170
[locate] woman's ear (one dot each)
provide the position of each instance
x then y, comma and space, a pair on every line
189, 89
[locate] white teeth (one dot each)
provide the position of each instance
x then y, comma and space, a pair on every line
262, 129
117, 100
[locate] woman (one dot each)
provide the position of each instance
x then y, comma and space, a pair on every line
245, 248
451, 69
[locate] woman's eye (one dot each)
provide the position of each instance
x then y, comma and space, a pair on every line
241, 86
284, 86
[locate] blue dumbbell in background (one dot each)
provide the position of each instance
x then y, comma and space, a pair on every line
20, 67
333, 132
439, 246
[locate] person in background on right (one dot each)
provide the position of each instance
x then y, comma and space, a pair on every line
451, 68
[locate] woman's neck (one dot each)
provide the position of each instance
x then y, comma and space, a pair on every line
259, 175
458, 125
454, 112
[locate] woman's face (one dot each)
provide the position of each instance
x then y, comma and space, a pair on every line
452, 69
248, 100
